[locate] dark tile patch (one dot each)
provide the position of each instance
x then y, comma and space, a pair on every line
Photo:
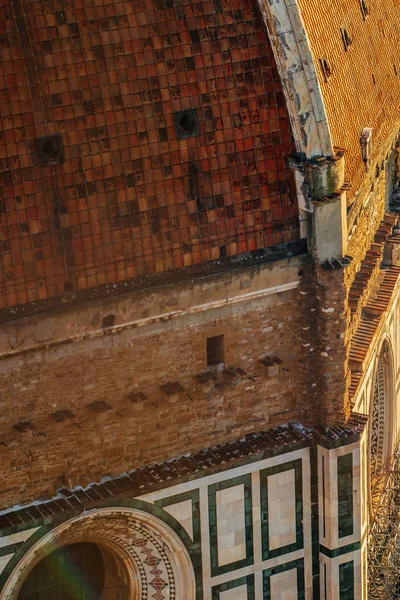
217, 5
73, 29
194, 36
49, 150
186, 123
88, 107
61, 18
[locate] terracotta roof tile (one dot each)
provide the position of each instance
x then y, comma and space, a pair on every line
373, 301
126, 197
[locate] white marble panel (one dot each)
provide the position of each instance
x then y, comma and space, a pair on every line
231, 525
284, 585
4, 560
281, 509
237, 593
16, 538
182, 512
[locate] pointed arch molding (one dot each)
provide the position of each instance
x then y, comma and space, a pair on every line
155, 559
382, 422
296, 67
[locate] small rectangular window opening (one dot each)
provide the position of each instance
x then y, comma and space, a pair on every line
325, 68
364, 8
347, 41
215, 350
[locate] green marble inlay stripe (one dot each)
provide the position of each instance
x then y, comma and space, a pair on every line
191, 547
11, 549
346, 581
298, 493
340, 551
345, 495
216, 568
314, 521
193, 496
229, 585
294, 564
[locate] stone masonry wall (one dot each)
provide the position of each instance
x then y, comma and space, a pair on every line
323, 362
331, 315
73, 412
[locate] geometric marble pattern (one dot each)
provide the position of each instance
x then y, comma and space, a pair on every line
9, 544
284, 585
146, 546
284, 582
153, 564
4, 560
231, 527
231, 524
345, 495
282, 509
238, 589
182, 512
245, 533
346, 581
185, 509
380, 426
238, 593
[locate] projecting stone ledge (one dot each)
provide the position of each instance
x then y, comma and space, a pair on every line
265, 444
322, 192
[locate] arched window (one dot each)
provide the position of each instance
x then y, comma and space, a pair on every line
381, 425
73, 572
116, 553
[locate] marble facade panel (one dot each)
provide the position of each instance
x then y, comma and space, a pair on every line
251, 529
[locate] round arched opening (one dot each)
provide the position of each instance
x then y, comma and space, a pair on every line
80, 571
381, 425
109, 554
